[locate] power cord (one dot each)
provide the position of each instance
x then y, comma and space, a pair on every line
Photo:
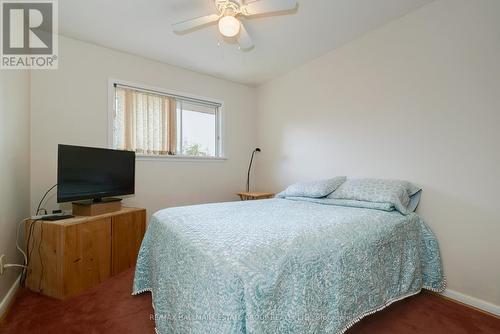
41, 201
29, 251
19, 248
31, 229
42, 268
17, 240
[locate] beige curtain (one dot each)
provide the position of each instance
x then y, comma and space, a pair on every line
144, 122
172, 121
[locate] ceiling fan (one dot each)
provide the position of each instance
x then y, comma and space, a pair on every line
228, 12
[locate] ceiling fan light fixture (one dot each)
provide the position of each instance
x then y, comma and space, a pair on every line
227, 14
229, 26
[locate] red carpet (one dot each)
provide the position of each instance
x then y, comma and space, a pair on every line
109, 308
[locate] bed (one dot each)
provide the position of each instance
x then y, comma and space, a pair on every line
283, 265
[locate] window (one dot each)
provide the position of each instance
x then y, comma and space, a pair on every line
153, 123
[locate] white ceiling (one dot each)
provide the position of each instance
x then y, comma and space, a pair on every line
282, 42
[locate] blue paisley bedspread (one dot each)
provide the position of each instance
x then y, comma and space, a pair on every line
281, 266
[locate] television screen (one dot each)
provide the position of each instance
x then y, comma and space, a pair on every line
93, 173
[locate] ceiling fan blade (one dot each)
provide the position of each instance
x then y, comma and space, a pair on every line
244, 39
267, 6
193, 23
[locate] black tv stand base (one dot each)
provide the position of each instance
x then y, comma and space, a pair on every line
98, 201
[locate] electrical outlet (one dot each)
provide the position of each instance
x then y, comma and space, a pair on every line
1, 264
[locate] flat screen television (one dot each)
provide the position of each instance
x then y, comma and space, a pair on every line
87, 173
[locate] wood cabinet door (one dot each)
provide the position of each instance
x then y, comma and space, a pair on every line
127, 233
87, 255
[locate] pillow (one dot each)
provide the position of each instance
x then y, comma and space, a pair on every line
314, 189
403, 195
347, 202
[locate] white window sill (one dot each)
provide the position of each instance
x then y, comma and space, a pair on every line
178, 158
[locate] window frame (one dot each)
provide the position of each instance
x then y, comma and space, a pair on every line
219, 128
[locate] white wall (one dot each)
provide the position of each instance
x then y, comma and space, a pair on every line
70, 105
14, 166
418, 99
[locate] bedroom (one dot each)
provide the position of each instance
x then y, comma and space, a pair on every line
386, 90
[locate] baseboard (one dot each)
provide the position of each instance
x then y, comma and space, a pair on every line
9, 298
473, 302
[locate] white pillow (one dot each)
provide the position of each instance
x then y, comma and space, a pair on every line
403, 195
313, 189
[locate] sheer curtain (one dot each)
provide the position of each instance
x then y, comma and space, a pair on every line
144, 122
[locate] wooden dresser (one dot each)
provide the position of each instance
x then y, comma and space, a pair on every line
69, 256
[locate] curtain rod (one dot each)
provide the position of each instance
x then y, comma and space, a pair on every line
180, 97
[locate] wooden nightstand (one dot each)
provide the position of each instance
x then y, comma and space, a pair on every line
244, 196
